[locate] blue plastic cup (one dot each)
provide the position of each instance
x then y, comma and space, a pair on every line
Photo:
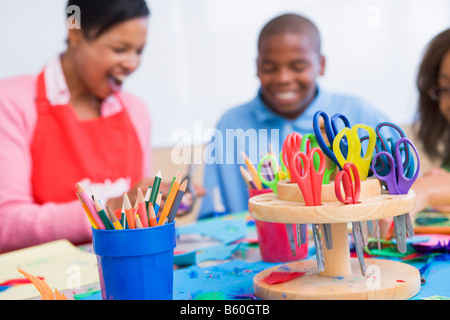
135, 264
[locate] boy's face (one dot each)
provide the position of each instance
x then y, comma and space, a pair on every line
288, 65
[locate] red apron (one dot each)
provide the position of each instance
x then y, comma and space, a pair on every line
66, 150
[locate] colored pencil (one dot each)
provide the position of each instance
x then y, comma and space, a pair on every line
88, 213
151, 216
102, 214
129, 211
248, 178
113, 218
176, 203
123, 217
90, 204
252, 170
158, 203
138, 222
173, 180
170, 198
147, 196
155, 188
142, 209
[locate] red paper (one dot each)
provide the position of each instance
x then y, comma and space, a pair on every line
280, 277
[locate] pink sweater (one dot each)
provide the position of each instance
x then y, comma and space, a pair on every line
24, 223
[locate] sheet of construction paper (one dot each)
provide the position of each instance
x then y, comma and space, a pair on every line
437, 279
61, 265
224, 230
280, 277
229, 280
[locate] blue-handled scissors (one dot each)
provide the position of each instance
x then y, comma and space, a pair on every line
387, 143
268, 172
355, 153
331, 130
398, 183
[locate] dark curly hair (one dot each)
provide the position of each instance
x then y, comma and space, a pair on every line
98, 16
432, 128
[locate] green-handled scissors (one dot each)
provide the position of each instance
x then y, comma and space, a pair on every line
314, 144
268, 172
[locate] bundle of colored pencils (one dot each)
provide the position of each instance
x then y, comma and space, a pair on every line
145, 212
250, 174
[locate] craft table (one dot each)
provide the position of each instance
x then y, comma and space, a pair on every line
220, 257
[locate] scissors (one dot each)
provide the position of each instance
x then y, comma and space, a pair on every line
310, 183
388, 144
309, 137
268, 172
349, 177
290, 146
398, 183
354, 152
331, 130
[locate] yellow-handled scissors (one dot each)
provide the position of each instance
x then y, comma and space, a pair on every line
268, 172
354, 152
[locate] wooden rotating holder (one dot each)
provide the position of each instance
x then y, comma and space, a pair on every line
342, 277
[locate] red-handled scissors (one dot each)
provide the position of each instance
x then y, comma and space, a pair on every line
309, 181
305, 175
291, 145
349, 176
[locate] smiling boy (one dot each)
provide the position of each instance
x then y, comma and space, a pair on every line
288, 64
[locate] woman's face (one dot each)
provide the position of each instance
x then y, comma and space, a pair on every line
444, 86
103, 63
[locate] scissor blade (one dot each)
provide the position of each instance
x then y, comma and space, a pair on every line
364, 233
377, 232
409, 226
302, 232
290, 233
327, 236
370, 227
319, 247
400, 232
359, 244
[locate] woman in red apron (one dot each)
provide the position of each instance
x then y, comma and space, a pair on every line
89, 131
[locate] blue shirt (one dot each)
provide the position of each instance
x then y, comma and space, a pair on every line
251, 128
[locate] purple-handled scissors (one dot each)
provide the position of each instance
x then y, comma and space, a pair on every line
398, 183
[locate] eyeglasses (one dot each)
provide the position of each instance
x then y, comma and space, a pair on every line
436, 93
